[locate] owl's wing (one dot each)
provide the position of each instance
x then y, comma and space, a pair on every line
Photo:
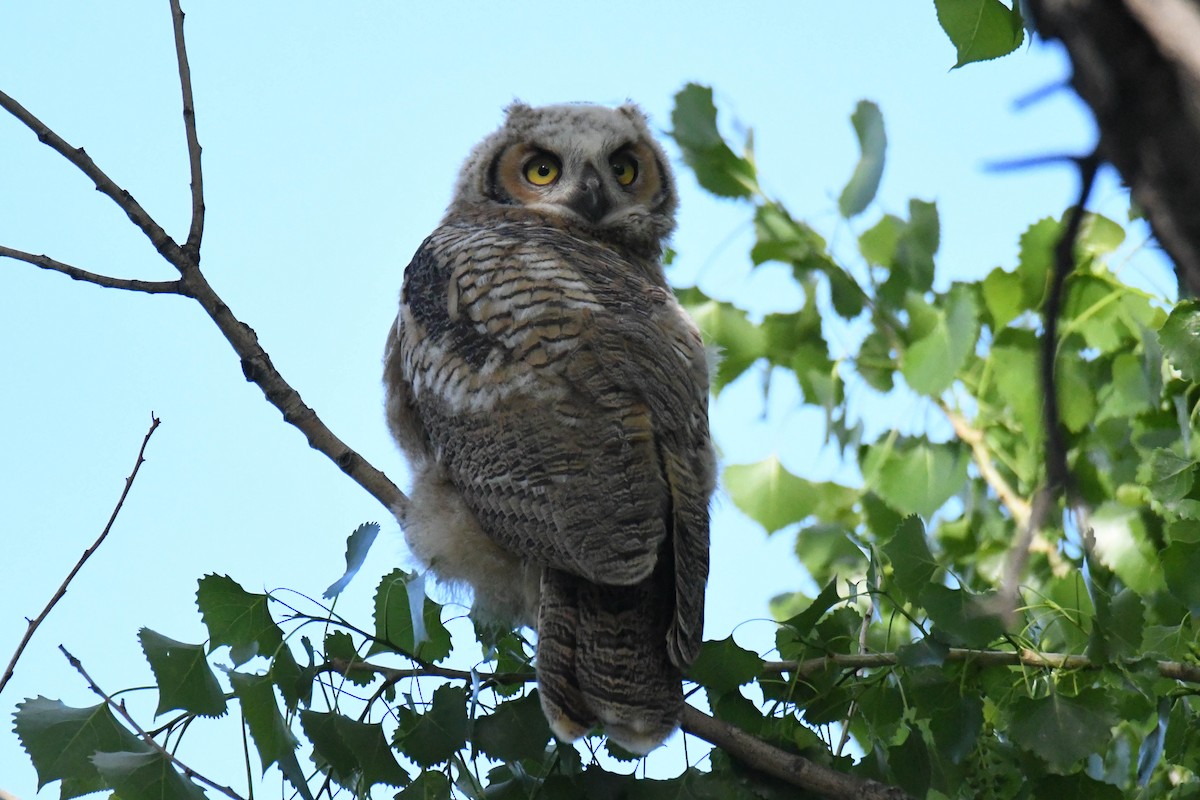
566, 397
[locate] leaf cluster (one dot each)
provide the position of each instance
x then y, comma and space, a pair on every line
911, 549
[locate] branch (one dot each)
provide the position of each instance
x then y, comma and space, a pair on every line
1017, 507
1173, 670
796, 770
187, 771
128, 284
158, 237
1135, 63
192, 246
256, 363
62, 590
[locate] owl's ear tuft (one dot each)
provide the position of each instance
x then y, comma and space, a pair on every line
633, 112
518, 109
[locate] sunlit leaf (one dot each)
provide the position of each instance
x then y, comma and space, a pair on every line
872, 143
980, 29
917, 477
717, 168
1180, 338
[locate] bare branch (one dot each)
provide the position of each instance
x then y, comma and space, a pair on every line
62, 590
187, 771
158, 237
128, 284
256, 363
196, 232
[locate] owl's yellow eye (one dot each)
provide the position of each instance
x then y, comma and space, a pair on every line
624, 168
542, 170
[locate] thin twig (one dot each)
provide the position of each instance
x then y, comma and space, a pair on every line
192, 246
62, 590
1173, 670
187, 771
128, 284
1017, 506
256, 363
158, 237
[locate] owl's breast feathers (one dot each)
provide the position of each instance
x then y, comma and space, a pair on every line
565, 392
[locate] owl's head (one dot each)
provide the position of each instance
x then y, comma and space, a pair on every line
593, 169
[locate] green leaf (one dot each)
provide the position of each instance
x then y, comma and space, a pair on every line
1117, 627
145, 775
356, 752
740, 341
1180, 338
872, 142
433, 737
980, 29
185, 681
340, 645
723, 665
1004, 297
1169, 476
271, 734
396, 625
1076, 786
61, 741
827, 550
875, 363
878, 243
1035, 259
917, 477
704, 150
913, 565
429, 785
769, 494
357, 546
237, 618
802, 623
1124, 546
964, 618
1098, 235
1181, 567
912, 264
932, 362
515, 731
1014, 367
1062, 730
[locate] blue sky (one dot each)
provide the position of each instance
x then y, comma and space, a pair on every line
332, 135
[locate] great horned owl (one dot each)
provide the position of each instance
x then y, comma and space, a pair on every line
551, 397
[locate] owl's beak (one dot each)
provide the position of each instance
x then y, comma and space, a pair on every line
590, 200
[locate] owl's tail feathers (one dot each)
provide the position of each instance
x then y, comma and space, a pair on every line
558, 618
602, 658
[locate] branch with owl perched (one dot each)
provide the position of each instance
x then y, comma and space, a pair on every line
649, 409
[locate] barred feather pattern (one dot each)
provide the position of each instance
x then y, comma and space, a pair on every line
551, 396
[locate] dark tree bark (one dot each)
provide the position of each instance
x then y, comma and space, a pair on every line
1137, 64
